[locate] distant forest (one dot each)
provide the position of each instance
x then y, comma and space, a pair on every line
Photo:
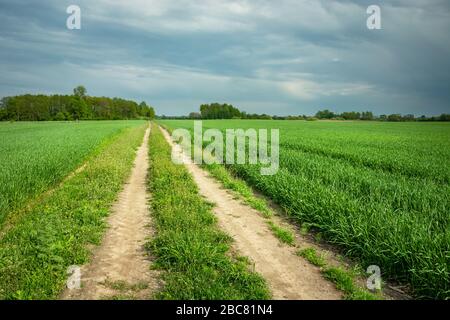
78, 106
227, 111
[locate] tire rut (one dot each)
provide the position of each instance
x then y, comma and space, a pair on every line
120, 266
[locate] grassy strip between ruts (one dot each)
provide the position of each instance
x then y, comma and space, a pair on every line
188, 245
35, 253
342, 278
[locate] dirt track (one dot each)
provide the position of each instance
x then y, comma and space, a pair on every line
288, 276
119, 267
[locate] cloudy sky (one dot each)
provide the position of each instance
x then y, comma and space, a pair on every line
277, 57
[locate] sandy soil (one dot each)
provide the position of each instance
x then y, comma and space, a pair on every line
120, 267
288, 276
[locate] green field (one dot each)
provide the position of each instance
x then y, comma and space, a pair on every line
37, 155
39, 245
380, 191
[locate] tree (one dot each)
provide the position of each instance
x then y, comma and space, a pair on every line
151, 113
79, 91
325, 114
265, 117
3, 110
67, 107
143, 109
195, 115
422, 118
79, 109
368, 115
394, 117
59, 116
351, 115
219, 111
3, 114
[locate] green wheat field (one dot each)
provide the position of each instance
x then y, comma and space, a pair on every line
377, 191
380, 191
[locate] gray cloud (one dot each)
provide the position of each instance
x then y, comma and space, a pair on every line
288, 57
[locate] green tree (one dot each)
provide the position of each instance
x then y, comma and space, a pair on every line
351, 115
368, 115
79, 91
42, 107
143, 109
3, 114
195, 115
422, 118
394, 117
219, 111
78, 109
59, 116
151, 113
325, 114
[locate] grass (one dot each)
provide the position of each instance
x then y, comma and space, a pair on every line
36, 156
124, 290
123, 286
53, 235
343, 279
379, 191
281, 233
311, 255
194, 254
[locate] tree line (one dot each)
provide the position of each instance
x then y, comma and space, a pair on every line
227, 111
78, 106
219, 111
352, 115
368, 115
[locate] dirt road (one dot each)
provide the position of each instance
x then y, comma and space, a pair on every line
288, 276
119, 267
